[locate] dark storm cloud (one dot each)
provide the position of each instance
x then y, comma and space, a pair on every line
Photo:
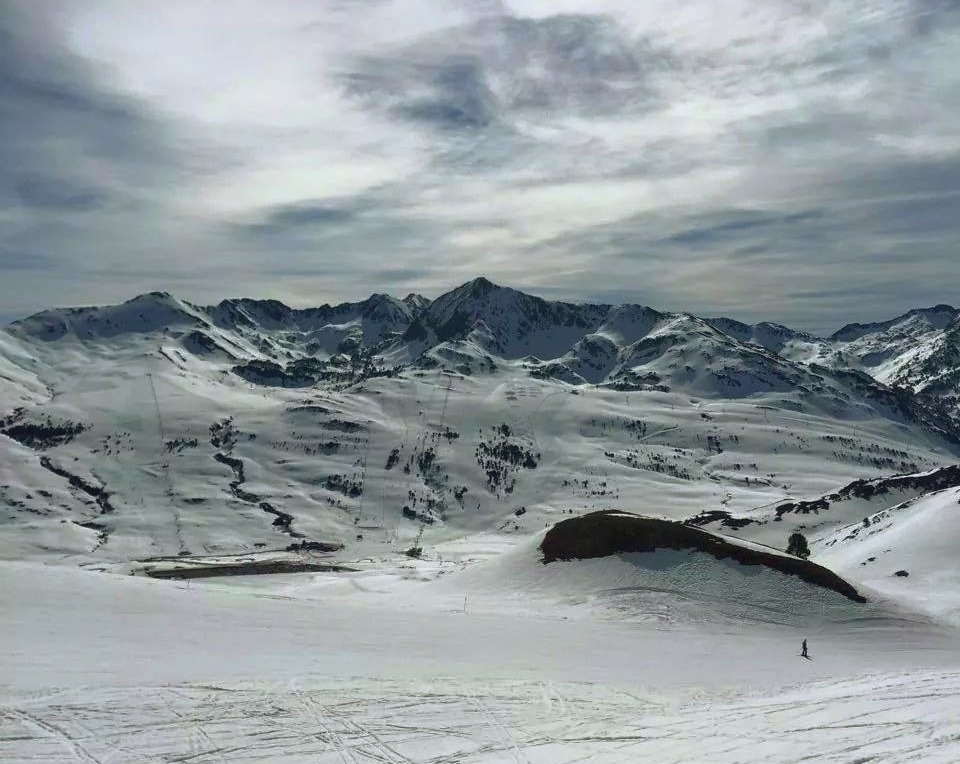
79, 162
64, 140
458, 97
493, 70
11, 260
930, 16
347, 237
297, 217
740, 223
56, 193
367, 219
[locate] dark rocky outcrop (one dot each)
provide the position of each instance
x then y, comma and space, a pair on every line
916, 484
248, 568
720, 516
602, 534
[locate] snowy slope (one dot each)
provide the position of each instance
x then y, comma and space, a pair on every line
870, 531
239, 328
774, 337
468, 452
906, 551
155, 671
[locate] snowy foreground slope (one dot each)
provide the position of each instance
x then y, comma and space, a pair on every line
660, 656
162, 438
104, 669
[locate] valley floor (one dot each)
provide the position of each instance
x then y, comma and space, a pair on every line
110, 669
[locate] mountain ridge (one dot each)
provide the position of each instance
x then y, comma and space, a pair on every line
475, 326
450, 304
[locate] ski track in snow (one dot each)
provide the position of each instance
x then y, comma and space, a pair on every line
890, 718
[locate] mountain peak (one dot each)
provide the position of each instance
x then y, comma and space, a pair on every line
477, 288
938, 316
416, 302
145, 313
157, 298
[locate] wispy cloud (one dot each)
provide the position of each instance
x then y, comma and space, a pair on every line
775, 160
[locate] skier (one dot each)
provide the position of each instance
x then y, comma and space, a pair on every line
803, 651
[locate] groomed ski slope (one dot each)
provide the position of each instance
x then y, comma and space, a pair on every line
372, 666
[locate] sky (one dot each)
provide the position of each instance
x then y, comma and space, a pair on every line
787, 160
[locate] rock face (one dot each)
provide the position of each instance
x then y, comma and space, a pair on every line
602, 534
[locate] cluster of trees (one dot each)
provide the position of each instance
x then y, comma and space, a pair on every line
45, 434
348, 486
502, 458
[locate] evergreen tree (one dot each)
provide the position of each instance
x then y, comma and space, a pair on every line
797, 545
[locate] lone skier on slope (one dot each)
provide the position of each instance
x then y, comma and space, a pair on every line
803, 651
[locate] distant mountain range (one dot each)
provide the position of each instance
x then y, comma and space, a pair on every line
479, 324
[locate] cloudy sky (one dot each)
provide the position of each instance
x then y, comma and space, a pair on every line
788, 160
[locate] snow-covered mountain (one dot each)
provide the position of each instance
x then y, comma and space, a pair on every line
160, 428
240, 327
580, 343
919, 350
